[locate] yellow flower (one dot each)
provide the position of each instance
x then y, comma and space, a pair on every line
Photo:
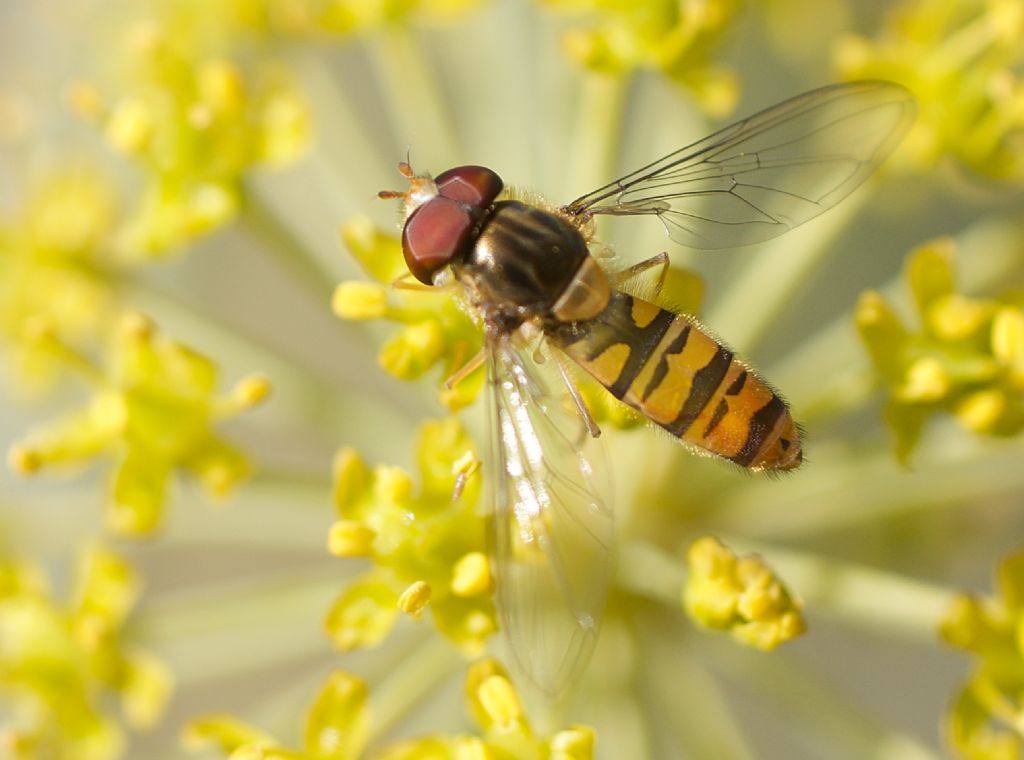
497, 709
672, 36
435, 330
153, 409
966, 358
984, 720
51, 256
426, 544
339, 723
196, 122
740, 595
60, 663
336, 728
963, 61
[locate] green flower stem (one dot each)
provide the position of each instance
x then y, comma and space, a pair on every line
749, 308
651, 572
861, 597
282, 512
415, 99
598, 124
418, 673
707, 727
268, 230
821, 717
201, 633
857, 489
348, 158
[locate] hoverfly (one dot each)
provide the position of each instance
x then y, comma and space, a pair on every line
527, 272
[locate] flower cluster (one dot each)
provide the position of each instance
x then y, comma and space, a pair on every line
740, 595
963, 61
984, 721
426, 547
51, 255
339, 723
967, 356
318, 18
676, 38
152, 410
60, 663
195, 123
435, 330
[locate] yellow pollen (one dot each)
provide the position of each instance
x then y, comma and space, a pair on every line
359, 300
415, 599
391, 484
925, 380
472, 575
136, 325
348, 538
470, 748
23, 460
1008, 336
981, 411
500, 701
251, 390
573, 743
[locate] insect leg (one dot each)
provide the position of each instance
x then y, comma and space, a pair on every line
630, 273
407, 282
577, 397
465, 370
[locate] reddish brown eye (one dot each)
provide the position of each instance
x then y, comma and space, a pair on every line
435, 234
476, 185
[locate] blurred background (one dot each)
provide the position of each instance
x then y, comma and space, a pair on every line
183, 187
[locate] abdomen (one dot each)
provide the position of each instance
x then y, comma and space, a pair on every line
666, 367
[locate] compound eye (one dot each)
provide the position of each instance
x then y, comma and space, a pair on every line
476, 185
435, 234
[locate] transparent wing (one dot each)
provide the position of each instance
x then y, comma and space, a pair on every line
767, 174
551, 530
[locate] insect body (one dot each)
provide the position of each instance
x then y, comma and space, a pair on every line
527, 271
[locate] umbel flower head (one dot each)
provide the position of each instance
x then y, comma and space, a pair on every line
740, 595
676, 38
984, 720
426, 543
195, 122
966, 357
60, 663
963, 61
51, 254
153, 409
340, 723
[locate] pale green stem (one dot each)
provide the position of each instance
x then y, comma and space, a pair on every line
746, 311
217, 633
414, 99
687, 699
856, 489
826, 723
273, 512
859, 596
271, 232
596, 135
419, 673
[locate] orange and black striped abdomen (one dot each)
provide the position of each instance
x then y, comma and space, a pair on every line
667, 368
